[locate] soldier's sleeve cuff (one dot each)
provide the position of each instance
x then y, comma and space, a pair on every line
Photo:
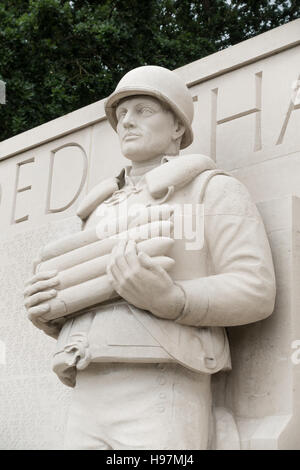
196, 302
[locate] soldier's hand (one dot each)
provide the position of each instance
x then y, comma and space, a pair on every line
39, 289
142, 283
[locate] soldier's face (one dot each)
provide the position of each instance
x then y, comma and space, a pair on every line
146, 130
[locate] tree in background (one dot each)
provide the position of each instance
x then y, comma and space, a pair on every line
57, 56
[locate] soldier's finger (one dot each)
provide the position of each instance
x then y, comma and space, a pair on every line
112, 261
41, 277
131, 254
110, 275
119, 259
35, 264
40, 297
111, 278
121, 248
41, 286
147, 262
35, 312
116, 275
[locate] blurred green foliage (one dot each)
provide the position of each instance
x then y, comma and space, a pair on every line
57, 56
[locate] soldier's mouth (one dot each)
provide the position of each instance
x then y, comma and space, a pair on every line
130, 136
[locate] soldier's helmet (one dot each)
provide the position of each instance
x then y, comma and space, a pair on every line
160, 83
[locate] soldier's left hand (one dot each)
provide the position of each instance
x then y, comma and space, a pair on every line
40, 288
142, 283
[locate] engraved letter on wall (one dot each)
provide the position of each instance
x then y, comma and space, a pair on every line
67, 175
294, 104
256, 110
17, 190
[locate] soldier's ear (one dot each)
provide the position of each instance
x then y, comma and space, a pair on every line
178, 130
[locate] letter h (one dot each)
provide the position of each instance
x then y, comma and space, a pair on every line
255, 110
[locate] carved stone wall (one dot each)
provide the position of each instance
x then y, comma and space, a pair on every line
247, 117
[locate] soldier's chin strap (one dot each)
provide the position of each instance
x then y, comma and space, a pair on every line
162, 181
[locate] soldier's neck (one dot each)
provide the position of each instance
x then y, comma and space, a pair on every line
140, 168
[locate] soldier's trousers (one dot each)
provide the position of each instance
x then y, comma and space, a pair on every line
139, 406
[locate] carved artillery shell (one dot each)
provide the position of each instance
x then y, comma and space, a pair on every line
96, 267
90, 293
103, 247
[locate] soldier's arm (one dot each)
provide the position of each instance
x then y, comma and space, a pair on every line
241, 288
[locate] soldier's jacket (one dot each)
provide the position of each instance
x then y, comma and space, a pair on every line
227, 274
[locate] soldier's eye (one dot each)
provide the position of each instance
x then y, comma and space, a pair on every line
145, 110
120, 114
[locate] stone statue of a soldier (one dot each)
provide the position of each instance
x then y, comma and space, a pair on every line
140, 336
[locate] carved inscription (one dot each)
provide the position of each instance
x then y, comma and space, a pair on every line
68, 164
255, 110
18, 191
294, 104
55, 154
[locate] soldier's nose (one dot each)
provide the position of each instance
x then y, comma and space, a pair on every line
128, 120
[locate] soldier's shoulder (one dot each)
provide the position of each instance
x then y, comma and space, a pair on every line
222, 182
225, 194
96, 196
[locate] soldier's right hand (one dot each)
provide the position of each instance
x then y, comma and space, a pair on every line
39, 289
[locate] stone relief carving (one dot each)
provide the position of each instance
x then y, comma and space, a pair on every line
172, 251
50, 182
256, 110
19, 190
